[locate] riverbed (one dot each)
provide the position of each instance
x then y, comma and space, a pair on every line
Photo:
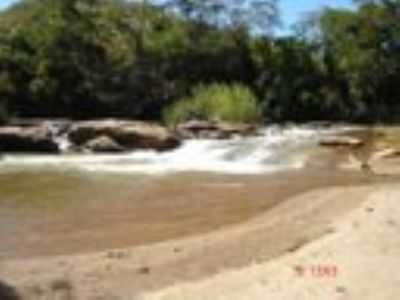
69, 204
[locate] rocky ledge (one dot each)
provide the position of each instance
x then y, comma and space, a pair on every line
109, 136
116, 135
214, 130
27, 139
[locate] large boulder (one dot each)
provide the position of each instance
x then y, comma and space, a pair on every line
27, 139
103, 144
128, 134
56, 126
214, 130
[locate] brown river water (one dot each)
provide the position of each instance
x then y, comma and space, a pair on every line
55, 211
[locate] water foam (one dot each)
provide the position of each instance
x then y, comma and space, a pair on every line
274, 149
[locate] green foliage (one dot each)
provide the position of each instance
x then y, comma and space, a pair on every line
90, 59
132, 59
4, 115
365, 47
234, 103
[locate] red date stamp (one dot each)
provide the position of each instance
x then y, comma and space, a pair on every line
317, 271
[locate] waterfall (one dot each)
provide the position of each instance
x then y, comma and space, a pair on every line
58, 131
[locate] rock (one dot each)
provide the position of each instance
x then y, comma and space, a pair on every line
144, 270
213, 135
116, 254
103, 144
198, 125
341, 290
238, 128
8, 292
128, 134
27, 139
213, 130
195, 129
341, 141
57, 127
370, 209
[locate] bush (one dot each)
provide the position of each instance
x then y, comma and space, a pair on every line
216, 102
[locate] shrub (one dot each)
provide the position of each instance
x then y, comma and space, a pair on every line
216, 102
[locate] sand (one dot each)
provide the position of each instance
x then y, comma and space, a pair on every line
352, 231
60, 215
361, 258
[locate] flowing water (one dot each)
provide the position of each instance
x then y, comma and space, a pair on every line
69, 203
273, 149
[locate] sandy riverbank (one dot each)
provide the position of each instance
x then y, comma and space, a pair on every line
203, 236
353, 228
54, 214
360, 251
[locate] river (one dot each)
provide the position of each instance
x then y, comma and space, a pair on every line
69, 203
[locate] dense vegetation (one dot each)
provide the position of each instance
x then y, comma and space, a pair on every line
102, 58
234, 103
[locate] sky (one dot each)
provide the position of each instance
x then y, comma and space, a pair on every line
291, 10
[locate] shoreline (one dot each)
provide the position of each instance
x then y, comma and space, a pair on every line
131, 272
191, 235
361, 244
165, 208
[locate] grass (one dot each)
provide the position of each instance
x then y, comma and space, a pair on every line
216, 102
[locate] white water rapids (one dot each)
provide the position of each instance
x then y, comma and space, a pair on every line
275, 148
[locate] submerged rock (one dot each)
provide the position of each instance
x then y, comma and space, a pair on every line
103, 144
128, 134
214, 130
27, 139
341, 141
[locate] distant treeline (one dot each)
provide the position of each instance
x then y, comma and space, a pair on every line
113, 58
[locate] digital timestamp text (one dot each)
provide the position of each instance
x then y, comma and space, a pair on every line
317, 271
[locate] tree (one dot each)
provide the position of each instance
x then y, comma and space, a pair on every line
363, 49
